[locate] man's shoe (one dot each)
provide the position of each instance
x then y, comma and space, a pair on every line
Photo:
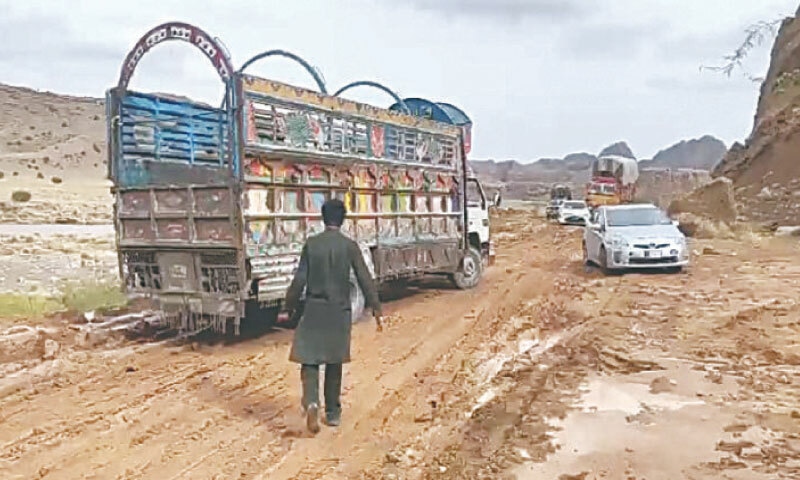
312, 418
333, 420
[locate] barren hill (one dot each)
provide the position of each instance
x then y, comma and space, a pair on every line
53, 147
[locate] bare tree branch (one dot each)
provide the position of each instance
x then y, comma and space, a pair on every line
755, 35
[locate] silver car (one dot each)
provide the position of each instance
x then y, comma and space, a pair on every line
634, 236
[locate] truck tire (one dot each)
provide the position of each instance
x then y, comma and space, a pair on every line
357, 300
469, 273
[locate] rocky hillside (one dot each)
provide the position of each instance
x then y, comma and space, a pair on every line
765, 169
532, 180
701, 153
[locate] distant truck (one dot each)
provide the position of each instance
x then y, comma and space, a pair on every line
613, 181
213, 204
560, 192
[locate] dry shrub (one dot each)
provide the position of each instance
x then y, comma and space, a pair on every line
21, 196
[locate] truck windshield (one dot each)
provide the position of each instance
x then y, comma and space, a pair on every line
574, 205
636, 217
474, 197
603, 188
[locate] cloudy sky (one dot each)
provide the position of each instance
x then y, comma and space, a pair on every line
540, 78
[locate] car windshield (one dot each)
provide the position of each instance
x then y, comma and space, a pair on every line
574, 205
630, 217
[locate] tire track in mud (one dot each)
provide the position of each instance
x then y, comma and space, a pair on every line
231, 411
393, 416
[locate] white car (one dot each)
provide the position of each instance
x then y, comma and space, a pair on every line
634, 236
573, 212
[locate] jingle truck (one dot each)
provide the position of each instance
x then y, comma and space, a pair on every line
613, 181
213, 204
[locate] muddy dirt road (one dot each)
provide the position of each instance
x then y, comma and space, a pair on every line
547, 370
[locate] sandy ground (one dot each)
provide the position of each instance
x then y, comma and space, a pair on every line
547, 370
40, 258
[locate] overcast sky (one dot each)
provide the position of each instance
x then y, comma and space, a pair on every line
540, 78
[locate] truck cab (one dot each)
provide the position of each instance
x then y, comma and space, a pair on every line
478, 224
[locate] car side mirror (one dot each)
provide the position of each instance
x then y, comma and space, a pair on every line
676, 223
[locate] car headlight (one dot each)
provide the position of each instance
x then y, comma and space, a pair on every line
680, 241
618, 242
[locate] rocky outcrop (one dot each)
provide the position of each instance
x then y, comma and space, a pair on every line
662, 186
620, 148
768, 157
701, 153
713, 200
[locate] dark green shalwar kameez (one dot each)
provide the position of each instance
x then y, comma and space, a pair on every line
322, 336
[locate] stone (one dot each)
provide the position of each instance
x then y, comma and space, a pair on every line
51, 349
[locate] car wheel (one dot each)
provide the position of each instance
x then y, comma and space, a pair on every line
586, 260
604, 260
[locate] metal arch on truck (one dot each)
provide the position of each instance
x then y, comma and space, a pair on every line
297, 58
440, 112
185, 32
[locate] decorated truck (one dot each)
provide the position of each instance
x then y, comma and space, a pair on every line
613, 181
213, 204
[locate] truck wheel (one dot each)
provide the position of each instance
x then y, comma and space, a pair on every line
469, 273
357, 300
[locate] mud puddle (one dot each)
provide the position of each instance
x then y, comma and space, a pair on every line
664, 424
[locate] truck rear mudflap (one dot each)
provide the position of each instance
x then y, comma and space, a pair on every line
197, 289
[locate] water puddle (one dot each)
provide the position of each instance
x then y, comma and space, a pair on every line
653, 425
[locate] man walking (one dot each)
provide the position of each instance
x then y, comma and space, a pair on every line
323, 335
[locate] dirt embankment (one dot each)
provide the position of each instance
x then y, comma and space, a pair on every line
764, 169
547, 370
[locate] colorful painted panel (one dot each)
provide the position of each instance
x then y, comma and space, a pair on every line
366, 230
364, 178
291, 201
440, 203
367, 203
404, 203
423, 227
259, 201
405, 228
319, 176
288, 174
290, 232
314, 226
421, 204
314, 201
258, 168
439, 226
388, 228
259, 234
388, 203
453, 227
291, 93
